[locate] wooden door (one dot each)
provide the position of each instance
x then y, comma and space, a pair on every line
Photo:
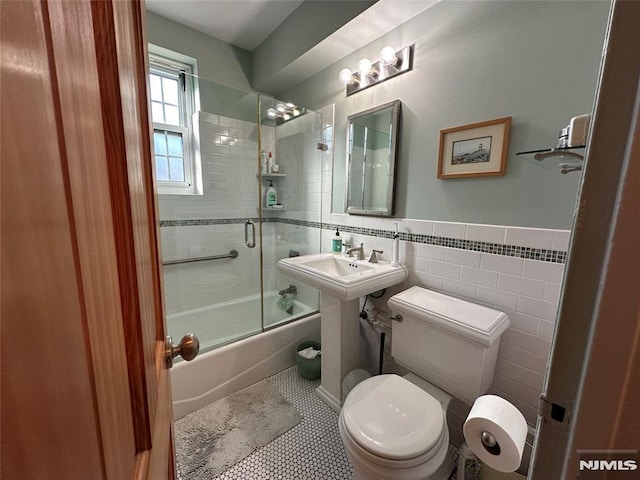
85, 394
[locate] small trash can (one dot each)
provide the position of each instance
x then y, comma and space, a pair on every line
309, 368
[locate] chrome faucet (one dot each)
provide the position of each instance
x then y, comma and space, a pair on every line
374, 258
360, 251
290, 289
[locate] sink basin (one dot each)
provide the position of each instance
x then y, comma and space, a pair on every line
337, 267
342, 277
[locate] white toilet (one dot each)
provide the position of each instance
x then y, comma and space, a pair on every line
395, 427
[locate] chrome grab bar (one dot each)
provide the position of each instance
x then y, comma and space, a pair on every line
231, 254
251, 243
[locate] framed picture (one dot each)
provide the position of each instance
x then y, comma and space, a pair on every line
476, 150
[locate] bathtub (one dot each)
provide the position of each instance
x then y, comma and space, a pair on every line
235, 353
217, 325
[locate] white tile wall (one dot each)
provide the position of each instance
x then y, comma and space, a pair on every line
501, 263
529, 237
229, 156
482, 278
485, 233
301, 193
561, 240
419, 227
449, 229
463, 257
193, 285
551, 272
527, 290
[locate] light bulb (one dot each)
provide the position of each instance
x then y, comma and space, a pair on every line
364, 66
291, 105
388, 56
281, 108
345, 76
272, 113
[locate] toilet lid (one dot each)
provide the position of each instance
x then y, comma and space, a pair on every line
393, 418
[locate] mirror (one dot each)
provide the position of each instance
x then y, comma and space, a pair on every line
371, 160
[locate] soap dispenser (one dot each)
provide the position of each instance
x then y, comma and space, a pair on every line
336, 242
272, 196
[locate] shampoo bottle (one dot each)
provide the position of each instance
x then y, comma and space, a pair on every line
270, 163
336, 243
272, 196
263, 162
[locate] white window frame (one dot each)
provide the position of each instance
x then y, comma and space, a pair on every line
172, 64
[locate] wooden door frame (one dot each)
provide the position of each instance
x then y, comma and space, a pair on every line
82, 313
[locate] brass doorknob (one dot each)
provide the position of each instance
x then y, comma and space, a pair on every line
188, 348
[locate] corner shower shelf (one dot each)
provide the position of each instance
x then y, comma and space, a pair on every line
567, 158
271, 209
272, 175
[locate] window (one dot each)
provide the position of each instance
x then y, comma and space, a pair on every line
172, 108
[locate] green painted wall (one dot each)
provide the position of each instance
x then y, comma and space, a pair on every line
224, 69
218, 61
536, 61
308, 25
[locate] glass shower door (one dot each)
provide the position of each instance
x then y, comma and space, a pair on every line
212, 265
290, 142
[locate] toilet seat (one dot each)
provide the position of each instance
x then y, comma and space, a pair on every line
392, 418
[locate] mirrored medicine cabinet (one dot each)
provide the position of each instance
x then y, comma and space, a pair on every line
372, 150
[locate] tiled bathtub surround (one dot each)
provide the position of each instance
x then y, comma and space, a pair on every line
193, 285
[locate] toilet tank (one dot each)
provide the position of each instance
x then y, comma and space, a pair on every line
447, 341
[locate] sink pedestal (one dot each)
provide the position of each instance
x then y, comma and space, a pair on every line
341, 281
340, 334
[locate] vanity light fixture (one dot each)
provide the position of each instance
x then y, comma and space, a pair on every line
347, 77
388, 56
391, 62
284, 112
365, 68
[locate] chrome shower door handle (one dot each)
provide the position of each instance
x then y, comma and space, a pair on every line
248, 224
188, 348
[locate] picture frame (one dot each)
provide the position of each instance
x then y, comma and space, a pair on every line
475, 150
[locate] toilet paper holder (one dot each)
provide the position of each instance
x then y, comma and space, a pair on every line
490, 443
496, 432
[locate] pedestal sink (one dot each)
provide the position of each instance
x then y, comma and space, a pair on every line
341, 281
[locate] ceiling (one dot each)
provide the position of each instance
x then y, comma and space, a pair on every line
245, 23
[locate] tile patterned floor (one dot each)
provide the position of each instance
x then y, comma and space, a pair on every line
312, 450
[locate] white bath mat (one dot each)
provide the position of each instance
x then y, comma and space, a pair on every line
210, 440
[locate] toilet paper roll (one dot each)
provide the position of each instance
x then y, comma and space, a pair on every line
496, 431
